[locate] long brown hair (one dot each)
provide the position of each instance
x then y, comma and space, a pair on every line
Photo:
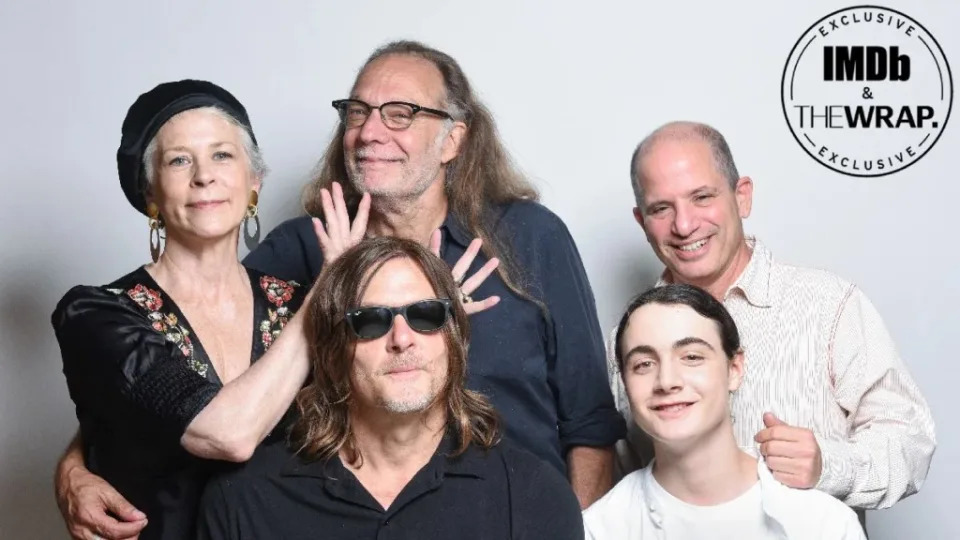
482, 175
323, 428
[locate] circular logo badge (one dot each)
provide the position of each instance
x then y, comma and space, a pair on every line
867, 91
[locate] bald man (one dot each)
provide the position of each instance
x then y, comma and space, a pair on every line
826, 398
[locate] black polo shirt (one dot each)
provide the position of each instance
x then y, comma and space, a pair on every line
544, 372
502, 493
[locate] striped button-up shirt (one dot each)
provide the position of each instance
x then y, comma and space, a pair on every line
818, 356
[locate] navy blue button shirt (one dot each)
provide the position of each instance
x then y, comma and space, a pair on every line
545, 373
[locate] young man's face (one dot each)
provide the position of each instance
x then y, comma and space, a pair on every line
677, 377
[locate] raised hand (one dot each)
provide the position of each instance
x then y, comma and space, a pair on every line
467, 286
339, 234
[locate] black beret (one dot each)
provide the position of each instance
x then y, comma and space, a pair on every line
148, 114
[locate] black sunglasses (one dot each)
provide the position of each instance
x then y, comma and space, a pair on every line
372, 322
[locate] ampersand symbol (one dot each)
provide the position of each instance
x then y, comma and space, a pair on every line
867, 94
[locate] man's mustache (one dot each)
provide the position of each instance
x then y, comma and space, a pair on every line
369, 153
402, 362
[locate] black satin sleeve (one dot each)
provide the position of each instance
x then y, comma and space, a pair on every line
117, 365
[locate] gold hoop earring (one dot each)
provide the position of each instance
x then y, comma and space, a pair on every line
253, 211
252, 206
155, 223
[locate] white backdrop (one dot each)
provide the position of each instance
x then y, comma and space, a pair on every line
574, 86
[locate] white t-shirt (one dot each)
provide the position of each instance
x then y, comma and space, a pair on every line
738, 519
637, 508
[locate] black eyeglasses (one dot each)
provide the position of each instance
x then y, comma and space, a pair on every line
372, 322
395, 114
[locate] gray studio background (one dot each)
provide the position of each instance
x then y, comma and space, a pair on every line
573, 85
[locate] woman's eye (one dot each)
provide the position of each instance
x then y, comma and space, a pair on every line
222, 155
177, 161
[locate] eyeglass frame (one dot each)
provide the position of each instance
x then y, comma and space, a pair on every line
413, 106
402, 311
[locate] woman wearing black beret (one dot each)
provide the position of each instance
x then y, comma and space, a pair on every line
180, 366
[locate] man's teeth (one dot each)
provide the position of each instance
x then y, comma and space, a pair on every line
672, 408
694, 246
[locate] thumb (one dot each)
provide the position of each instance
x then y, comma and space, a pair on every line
770, 420
122, 508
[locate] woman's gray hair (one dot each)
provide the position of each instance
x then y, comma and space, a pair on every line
254, 156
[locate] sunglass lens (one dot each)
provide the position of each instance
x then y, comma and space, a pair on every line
427, 316
372, 322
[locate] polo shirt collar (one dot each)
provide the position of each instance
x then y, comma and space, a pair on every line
468, 463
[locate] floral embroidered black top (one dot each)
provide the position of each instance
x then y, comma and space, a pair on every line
138, 376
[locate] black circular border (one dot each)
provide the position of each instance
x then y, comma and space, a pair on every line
783, 104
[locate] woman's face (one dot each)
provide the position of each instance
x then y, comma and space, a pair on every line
204, 179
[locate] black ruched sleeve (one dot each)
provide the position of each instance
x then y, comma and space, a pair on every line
116, 362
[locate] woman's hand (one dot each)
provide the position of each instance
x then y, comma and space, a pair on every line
339, 234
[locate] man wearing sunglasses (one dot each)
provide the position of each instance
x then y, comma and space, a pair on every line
389, 442
416, 151
417, 155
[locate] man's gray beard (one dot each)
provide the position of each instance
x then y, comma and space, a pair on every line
389, 200
387, 197
418, 404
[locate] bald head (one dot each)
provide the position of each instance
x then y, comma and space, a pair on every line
683, 133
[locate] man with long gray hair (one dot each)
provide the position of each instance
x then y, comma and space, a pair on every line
416, 155
415, 151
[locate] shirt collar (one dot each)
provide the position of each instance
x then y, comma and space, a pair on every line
754, 282
456, 230
468, 463
299, 465
340, 483
770, 489
451, 224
